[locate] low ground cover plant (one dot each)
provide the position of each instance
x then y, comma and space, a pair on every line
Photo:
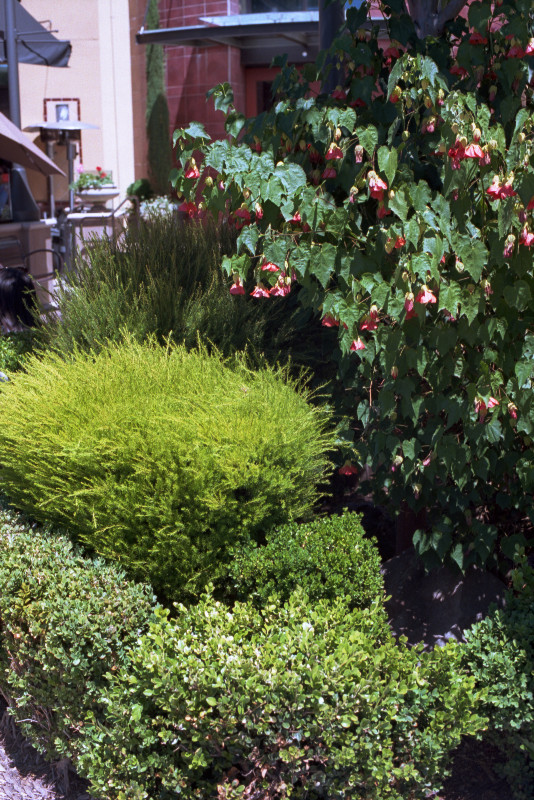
159, 457
328, 557
13, 349
304, 699
65, 621
500, 654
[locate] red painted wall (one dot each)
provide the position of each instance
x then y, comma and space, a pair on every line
191, 72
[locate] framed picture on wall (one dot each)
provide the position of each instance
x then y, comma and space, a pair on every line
61, 109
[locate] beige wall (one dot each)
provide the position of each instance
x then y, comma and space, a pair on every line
99, 74
137, 13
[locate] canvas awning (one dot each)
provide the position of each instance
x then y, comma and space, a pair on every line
35, 45
17, 147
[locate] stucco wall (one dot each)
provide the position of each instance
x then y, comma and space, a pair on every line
99, 74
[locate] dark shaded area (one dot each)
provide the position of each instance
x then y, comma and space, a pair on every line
24, 773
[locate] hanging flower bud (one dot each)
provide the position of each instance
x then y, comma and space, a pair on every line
509, 246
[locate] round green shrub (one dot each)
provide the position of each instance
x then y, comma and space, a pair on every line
308, 700
159, 457
64, 622
499, 652
328, 557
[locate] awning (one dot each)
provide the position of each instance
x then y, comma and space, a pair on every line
35, 45
259, 36
17, 147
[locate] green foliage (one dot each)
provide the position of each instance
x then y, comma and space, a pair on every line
164, 278
500, 654
402, 205
157, 110
13, 349
64, 622
160, 458
327, 557
140, 188
310, 700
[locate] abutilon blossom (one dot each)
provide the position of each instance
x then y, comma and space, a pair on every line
474, 151
376, 185
369, 324
357, 344
526, 237
268, 266
383, 210
482, 409
339, 94
329, 172
358, 154
192, 170
348, 469
237, 288
282, 287
516, 51
242, 217
328, 321
512, 410
498, 191
260, 291
334, 152
509, 246
425, 296
314, 155
189, 208
400, 242
409, 306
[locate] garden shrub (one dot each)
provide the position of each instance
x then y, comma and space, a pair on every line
13, 348
160, 457
499, 651
164, 278
64, 622
400, 206
328, 557
309, 700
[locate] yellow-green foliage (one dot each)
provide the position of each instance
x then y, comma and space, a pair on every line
160, 458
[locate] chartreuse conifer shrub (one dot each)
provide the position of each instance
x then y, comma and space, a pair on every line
305, 700
65, 621
499, 652
159, 457
401, 204
328, 557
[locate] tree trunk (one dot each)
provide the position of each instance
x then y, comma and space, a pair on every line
429, 18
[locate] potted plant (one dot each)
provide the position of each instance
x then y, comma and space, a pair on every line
95, 187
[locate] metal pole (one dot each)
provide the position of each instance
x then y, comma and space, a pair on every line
51, 196
71, 155
12, 63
